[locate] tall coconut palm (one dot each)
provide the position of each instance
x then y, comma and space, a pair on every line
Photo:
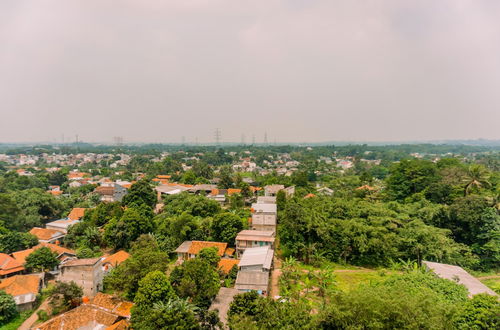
476, 177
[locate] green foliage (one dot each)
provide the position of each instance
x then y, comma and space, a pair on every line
480, 312
41, 260
225, 227
174, 314
13, 241
7, 308
141, 192
64, 296
173, 230
196, 279
145, 257
194, 205
153, 288
410, 176
119, 233
103, 213
210, 255
411, 301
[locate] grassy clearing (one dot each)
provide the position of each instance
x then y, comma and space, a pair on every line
16, 323
312, 284
492, 283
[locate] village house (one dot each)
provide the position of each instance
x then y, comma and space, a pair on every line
266, 200
9, 266
264, 216
257, 259
63, 254
272, 190
114, 260
23, 288
87, 273
111, 192
46, 235
104, 311
253, 238
190, 249
253, 281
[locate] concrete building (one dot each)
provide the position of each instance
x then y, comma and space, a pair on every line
257, 259
264, 216
190, 249
46, 235
87, 273
253, 238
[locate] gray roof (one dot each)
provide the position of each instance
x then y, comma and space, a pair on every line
256, 235
168, 189
264, 207
204, 187
266, 199
252, 281
451, 272
222, 302
184, 247
257, 256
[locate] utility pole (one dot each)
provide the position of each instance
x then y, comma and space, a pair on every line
217, 136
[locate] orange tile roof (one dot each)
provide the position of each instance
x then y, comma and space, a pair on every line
112, 304
124, 309
77, 213
55, 192
232, 191
163, 176
225, 265
44, 233
309, 195
214, 192
126, 185
254, 189
21, 284
74, 175
20, 256
117, 258
229, 251
120, 325
9, 265
367, 187
197, 246
84, 316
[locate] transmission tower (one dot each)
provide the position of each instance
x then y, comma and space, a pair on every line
217, 136
265, 138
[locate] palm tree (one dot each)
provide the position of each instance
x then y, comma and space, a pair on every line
477, 177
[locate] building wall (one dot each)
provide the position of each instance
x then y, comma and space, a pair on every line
88, 277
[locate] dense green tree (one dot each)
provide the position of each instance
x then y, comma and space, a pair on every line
174, 314
13, 241
140, 192
480, 312
210, 255
225, 227
477, 176
226, 177
153, 288
203, 170
64, 296
103, 213
194, 205
145, 257
197, 280
410, 176
119, 233
7, 308
41, 260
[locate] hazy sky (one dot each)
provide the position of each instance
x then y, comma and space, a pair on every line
302, 70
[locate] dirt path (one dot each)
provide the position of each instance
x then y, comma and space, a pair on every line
33, 318
491, 277
275, 275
